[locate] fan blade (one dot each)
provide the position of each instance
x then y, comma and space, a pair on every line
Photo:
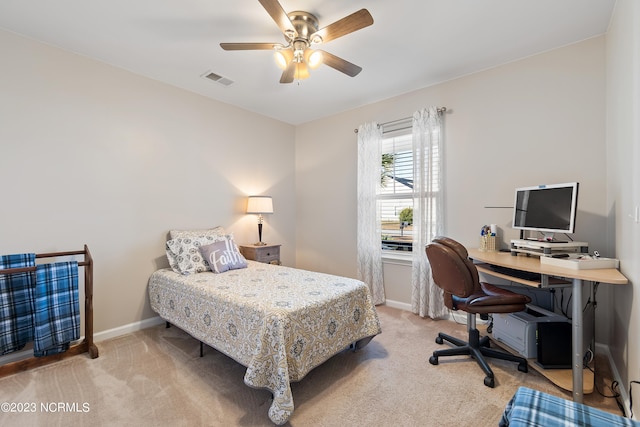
340, 64
251, 46
288, 73
344, 26
278, 14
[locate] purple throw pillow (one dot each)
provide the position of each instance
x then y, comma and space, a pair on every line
223, 256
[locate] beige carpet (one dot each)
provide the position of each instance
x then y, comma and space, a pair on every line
155, 377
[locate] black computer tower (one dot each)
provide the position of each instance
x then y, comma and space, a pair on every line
554, 345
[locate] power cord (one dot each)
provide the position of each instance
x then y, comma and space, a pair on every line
560, 304
615, 387
612, 387
452, 315
590, 357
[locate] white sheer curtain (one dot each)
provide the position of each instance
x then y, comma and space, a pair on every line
426, 296
368, 233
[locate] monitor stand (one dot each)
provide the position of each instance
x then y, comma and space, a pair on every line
547, 237
546, 248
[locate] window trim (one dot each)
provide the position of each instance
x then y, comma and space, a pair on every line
397, 257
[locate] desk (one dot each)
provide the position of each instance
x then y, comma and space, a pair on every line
577, 277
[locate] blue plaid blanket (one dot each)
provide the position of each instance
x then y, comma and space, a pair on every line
57, 310
532, 408
16, 303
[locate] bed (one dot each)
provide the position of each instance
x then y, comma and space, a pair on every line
279, 322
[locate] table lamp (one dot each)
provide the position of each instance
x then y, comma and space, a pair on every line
260, 205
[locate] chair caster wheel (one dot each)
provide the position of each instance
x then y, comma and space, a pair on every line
522, 367
439, 340
433, 360
489, 382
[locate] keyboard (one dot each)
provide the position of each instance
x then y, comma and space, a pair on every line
526, 275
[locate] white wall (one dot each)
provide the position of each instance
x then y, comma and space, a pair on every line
623, 179
538, 120
534, 121
94, 154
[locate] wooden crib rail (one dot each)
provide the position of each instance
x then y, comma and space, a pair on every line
87, 344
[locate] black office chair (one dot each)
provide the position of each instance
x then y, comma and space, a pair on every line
456, 274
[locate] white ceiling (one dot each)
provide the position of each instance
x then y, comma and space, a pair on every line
411, 44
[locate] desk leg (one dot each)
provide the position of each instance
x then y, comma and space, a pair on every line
577, 339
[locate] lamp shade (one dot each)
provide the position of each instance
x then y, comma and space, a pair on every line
260, 205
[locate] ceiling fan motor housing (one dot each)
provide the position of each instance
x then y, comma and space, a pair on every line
305, 24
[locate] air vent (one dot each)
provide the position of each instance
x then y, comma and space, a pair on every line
217, 78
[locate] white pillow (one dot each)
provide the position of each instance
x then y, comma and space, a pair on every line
184, 255
175, 234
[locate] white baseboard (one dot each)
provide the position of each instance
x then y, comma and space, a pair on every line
15, 356
456, 316
604, 349
127, 329
399, 305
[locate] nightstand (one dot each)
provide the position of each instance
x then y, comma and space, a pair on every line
269, 254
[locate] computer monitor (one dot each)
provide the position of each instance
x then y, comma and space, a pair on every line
547, 209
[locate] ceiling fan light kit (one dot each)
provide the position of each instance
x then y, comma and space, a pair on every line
300, 31
283, 57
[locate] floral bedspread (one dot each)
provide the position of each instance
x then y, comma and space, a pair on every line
277, 321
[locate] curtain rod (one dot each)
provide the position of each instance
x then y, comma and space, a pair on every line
441, 110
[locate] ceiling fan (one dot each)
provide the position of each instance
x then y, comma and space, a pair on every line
300, 30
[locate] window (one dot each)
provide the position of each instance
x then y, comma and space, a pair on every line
395, 193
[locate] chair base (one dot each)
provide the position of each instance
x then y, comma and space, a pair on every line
478, 349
